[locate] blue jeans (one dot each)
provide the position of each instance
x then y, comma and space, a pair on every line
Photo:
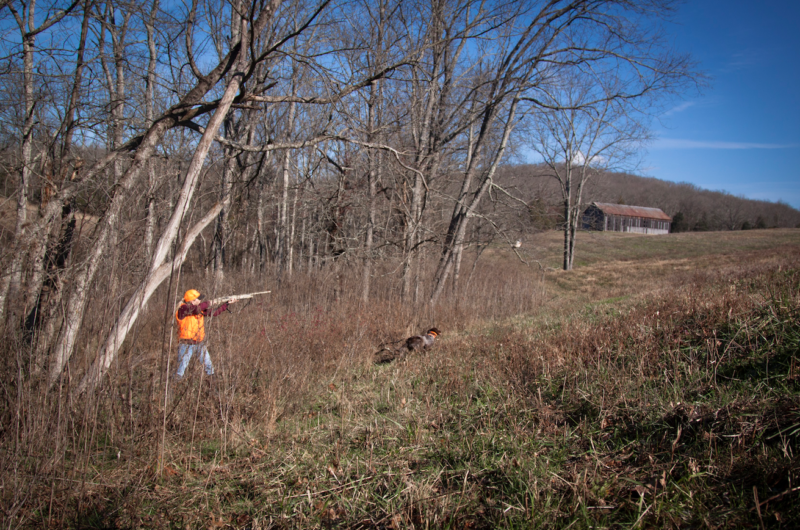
185, 352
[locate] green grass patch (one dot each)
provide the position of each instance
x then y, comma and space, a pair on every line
678, 411
654, 387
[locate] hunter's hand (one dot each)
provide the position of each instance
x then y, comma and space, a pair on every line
232, 302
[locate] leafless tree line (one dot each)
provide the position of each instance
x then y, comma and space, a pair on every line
692, 208
263, 137
697, 209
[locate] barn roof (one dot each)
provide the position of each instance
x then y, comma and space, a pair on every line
633, 211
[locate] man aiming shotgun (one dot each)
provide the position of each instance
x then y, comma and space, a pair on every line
190, 317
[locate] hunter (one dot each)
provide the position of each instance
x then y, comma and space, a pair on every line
191, 329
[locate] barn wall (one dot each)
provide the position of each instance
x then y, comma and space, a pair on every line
639, 225
596, 219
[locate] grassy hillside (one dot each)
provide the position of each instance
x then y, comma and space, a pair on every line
602, 247
655, 386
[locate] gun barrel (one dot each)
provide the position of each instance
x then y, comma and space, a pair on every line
234, 297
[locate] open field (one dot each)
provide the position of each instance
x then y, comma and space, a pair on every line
655, 386
602, 247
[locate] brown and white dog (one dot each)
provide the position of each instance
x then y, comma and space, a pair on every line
415, 343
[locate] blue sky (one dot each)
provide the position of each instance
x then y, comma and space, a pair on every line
742, 134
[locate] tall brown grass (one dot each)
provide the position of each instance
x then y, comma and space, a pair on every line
270, 354
537, 340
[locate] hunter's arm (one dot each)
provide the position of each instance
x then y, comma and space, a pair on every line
204, 308
220, 309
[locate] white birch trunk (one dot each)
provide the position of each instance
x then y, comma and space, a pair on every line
76, 304
158, 269
129, 315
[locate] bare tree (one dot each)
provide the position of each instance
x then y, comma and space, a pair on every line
524, 43
412, 102
237, 68
150, 95
144, 146
544, 44
438, 80
24, 13
50, 254
585, 132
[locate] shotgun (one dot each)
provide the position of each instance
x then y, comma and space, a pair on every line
234, 297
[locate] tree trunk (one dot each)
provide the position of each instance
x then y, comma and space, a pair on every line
159, 270
458, 209
567, 227
292, 224
261, 235
150, 223
412, 225
76, 304
283, 208
13, 278
459, 252
221, 231
373, 169
49, 302
458, 225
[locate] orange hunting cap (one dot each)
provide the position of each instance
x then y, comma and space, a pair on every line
192, 294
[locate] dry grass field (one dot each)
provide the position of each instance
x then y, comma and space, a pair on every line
654, 386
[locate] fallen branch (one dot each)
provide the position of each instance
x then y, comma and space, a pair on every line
775, 497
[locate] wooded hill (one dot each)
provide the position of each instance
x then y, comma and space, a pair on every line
328, 214
691, 207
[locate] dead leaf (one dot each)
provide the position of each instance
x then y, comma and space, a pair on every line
216, 523
395, 524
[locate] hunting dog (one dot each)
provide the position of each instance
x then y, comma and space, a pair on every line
389, 353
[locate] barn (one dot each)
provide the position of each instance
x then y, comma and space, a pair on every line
623, 218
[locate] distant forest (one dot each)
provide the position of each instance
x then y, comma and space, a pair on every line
691, 207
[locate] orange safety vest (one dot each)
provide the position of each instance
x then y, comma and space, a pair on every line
191, 327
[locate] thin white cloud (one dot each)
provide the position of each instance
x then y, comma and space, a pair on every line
679, 108
579, 159
677, 143
743, 60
